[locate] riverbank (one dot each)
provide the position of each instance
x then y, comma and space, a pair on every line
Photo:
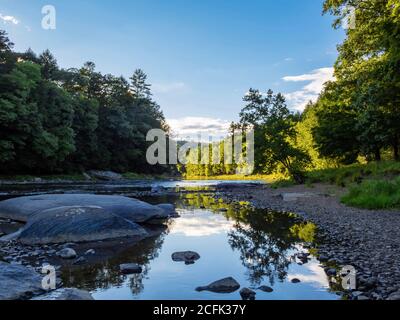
365, 239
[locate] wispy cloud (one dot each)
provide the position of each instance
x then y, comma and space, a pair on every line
310, 92
168, 87
9, 19
191, 127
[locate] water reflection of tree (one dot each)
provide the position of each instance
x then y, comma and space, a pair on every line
106, 274
264, 241
263, 238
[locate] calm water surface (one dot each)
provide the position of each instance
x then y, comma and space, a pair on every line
256, 247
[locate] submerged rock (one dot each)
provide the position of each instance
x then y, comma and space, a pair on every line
130, 268
67, 253
66, 294
18, 282
77, 224
189, 257
266, 289
226, 285
247, 294
24, 208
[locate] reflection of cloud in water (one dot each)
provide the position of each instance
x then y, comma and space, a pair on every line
200, 225
315, 275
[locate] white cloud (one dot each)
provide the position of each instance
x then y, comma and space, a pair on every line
289, 59
202, 224
192, 127
168, 87
9, 19
316, 80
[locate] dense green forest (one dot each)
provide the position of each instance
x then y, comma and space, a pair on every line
357, 116
54, 120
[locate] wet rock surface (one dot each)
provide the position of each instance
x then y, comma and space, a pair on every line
18, 282
66, 294
130, 268
77, 224
226, 285
189, 257
368, 240
24, 208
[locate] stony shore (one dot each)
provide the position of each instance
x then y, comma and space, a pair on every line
368, 240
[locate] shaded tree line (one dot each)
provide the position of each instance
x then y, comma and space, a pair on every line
55, 120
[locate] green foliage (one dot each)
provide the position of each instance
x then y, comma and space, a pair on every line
374, 194
54, 121
274, 127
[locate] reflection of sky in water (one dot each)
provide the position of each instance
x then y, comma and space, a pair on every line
207, 234
201, 224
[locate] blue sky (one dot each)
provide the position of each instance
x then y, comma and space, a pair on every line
200, 55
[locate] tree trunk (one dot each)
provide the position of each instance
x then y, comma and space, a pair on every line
396, 156
378, 155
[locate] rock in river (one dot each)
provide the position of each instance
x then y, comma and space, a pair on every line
247, 294
226, 285
23, 208
189, 257
266, 289
67, 253
77, 224
66, 294
130, 268
18, 282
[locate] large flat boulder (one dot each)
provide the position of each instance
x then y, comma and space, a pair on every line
18, 282
23, 208
77, 224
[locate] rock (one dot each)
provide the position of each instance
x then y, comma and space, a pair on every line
18, 282
105, 175
394, 296
157, 189
37, 180
323, 258
331, 272
24, 208
86, 176
77, 224
66, 294
226, 285
67, 253
130, 268
80, 260
294, 196
223, 210
169, 210
266, 289
247, 294
295, 280
189, 257
362, 298
90, 252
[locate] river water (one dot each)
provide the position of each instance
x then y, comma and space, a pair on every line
256, 247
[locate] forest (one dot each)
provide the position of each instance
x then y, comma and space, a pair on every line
55, 120
356, 118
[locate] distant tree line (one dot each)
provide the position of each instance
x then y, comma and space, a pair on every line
55, 120
357, 116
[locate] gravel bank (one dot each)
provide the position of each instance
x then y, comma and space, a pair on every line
368, 240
